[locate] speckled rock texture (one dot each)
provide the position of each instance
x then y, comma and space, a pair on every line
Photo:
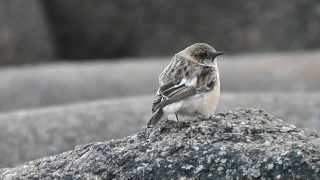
31, 134
240, 144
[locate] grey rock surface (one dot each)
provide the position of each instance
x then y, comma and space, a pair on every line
31, 134
301, 109
24, 33
26, 135
240, 144
55, 84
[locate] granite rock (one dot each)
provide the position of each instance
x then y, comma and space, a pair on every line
240, 144
30, 134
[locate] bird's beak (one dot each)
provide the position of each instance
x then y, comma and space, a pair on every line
218, 53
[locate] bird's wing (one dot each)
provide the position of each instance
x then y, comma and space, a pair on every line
169, 94
170, 82
174, 72
174, 80
166, 95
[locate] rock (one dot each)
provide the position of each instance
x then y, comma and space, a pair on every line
24, 33
27, 135
301, 109
30, 87
30, 134
202, 148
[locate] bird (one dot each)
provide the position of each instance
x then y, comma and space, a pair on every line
189, 86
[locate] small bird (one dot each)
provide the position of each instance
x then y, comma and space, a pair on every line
189, 85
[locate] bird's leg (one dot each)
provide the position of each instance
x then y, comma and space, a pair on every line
177, 116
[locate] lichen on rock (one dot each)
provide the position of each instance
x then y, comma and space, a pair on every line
240, 144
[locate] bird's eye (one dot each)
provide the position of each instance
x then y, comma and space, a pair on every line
202, 55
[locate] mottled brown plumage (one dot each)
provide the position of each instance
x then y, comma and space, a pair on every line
191, 72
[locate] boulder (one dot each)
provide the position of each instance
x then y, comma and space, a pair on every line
27, 135
240, 144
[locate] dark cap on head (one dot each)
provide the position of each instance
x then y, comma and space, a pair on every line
202, 51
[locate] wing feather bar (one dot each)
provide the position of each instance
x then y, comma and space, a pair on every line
176, 94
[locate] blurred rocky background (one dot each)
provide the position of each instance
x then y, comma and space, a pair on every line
74, 72
25, 36
108, 29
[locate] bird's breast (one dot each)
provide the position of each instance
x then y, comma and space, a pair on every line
212, 99
204, 103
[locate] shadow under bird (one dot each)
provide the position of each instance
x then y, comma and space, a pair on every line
189, 86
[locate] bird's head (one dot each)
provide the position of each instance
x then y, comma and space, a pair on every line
202, 53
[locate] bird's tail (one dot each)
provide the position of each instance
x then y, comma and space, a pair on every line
155, 118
